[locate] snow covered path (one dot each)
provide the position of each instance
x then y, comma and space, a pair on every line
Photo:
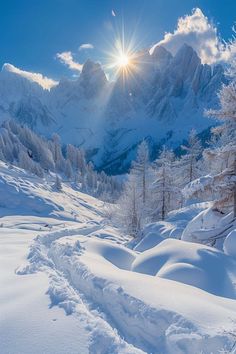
26, 324
30, 321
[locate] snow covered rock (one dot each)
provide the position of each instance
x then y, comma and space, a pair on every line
209, 227
230, 244
92, 79
206, 220
161, 57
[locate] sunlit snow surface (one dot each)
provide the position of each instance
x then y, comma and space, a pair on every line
71, 285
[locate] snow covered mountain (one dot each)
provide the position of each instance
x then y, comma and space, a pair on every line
161, 102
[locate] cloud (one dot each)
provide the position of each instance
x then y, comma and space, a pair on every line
43, 81
113, 13
197, 31
67, 59
86, 46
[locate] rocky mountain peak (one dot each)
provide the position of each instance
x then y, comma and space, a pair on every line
161, 57
92, 78
185, 62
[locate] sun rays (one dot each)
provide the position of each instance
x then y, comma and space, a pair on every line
120, 58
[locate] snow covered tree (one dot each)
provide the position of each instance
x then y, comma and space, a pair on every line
129, 211
80, 162
57, 185
71, 154
165, 194
55, 147
24, 161
221, 181
134, 204
189, 161
68, 169
141, 168
226, 180
21, 146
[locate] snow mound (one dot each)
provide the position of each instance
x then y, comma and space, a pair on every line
230, 244
117, 255
197, 265
150, 240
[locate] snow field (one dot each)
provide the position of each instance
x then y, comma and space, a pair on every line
156, 315
158, 294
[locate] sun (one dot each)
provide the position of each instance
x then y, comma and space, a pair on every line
123, 61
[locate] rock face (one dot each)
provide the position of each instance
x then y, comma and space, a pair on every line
161, 100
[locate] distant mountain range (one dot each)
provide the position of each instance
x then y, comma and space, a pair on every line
160, 101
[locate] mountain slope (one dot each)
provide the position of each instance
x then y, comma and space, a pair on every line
161, 101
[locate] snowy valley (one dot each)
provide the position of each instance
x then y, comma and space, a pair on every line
61, 256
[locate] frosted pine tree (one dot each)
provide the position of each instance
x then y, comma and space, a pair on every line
24, 161
57, 185
68, 170
189, 162
129, 210
165, 194
141, 168
225, 181
55, 147
220, 183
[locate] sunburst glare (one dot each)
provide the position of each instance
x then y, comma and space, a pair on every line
121, 58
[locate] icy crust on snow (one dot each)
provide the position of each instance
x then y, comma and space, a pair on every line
156, 315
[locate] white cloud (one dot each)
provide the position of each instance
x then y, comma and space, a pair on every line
86, 46
67, 59
43, 81
197, 31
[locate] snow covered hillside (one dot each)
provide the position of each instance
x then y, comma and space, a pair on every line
73, 283
109, 119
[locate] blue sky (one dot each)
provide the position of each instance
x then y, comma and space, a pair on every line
32, 32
